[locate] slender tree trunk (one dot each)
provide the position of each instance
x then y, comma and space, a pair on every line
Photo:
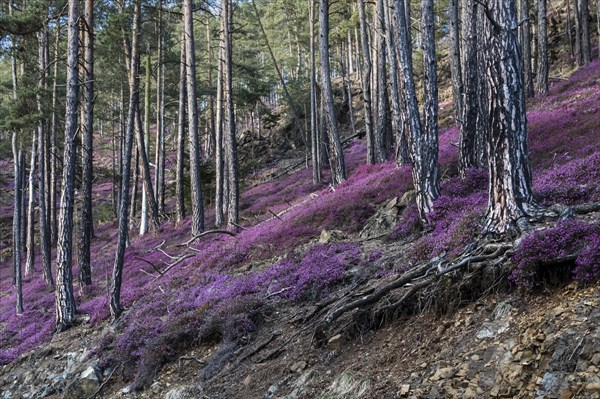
336, 154
192, 102
525, 40
159, 176
423, 154
219, 158
230, 141
65, 300
136, 178
30, 233
146, 149
542, 35
17, 215
134, 94
510, 191
54, 172
483, 123
431, 107
402, 157
383, 125
568, 29
455, 59
44, 195
85, 269
210, 139
586, 46
468, 157
314, 125
578, 28
181, 123
366, 68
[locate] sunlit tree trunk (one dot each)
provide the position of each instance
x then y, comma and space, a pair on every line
219, 157
586, 46
159, 175
510, 192
192, 109
336, 155
52, 209
65, 300
146, 148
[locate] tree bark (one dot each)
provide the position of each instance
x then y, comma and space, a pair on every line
85, 269
542, 36
134, 86
219, 158
52, 209
586, 47
525, 41
179, 189
159, 176
230, 140
578, 31
192, 102
336, 154
30, 232
43, 155
314, 125
146, 149
468, 122
366, 68
382, 132
65, 300
455, 58
510, 191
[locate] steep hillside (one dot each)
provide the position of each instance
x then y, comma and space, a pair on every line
341, 292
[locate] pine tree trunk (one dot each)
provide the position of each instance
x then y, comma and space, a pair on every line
382, 132
54, 172
85, 269
578, 31
483, 123
65, 300
219, 158
336, 154
30, 232
17, 215
159, 175
210, 140
181, 123
468, 127
44, 194
430, 102
314, 126
146, 150
423, 154
510, 191
542, 32
230, 140
134, 94
455, 58
586, 46
366, 68
192, 108
400, 133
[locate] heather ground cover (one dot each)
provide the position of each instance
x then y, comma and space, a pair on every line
235, 276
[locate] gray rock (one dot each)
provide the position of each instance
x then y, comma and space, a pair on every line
186, 392
84, 385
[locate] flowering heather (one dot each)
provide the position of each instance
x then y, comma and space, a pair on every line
542, 248
190, 302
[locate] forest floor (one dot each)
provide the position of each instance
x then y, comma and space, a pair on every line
340, 293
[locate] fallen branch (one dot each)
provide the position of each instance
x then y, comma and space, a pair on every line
205, 233
259, 348
172, 265
190, 358
275, 215
148, 262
